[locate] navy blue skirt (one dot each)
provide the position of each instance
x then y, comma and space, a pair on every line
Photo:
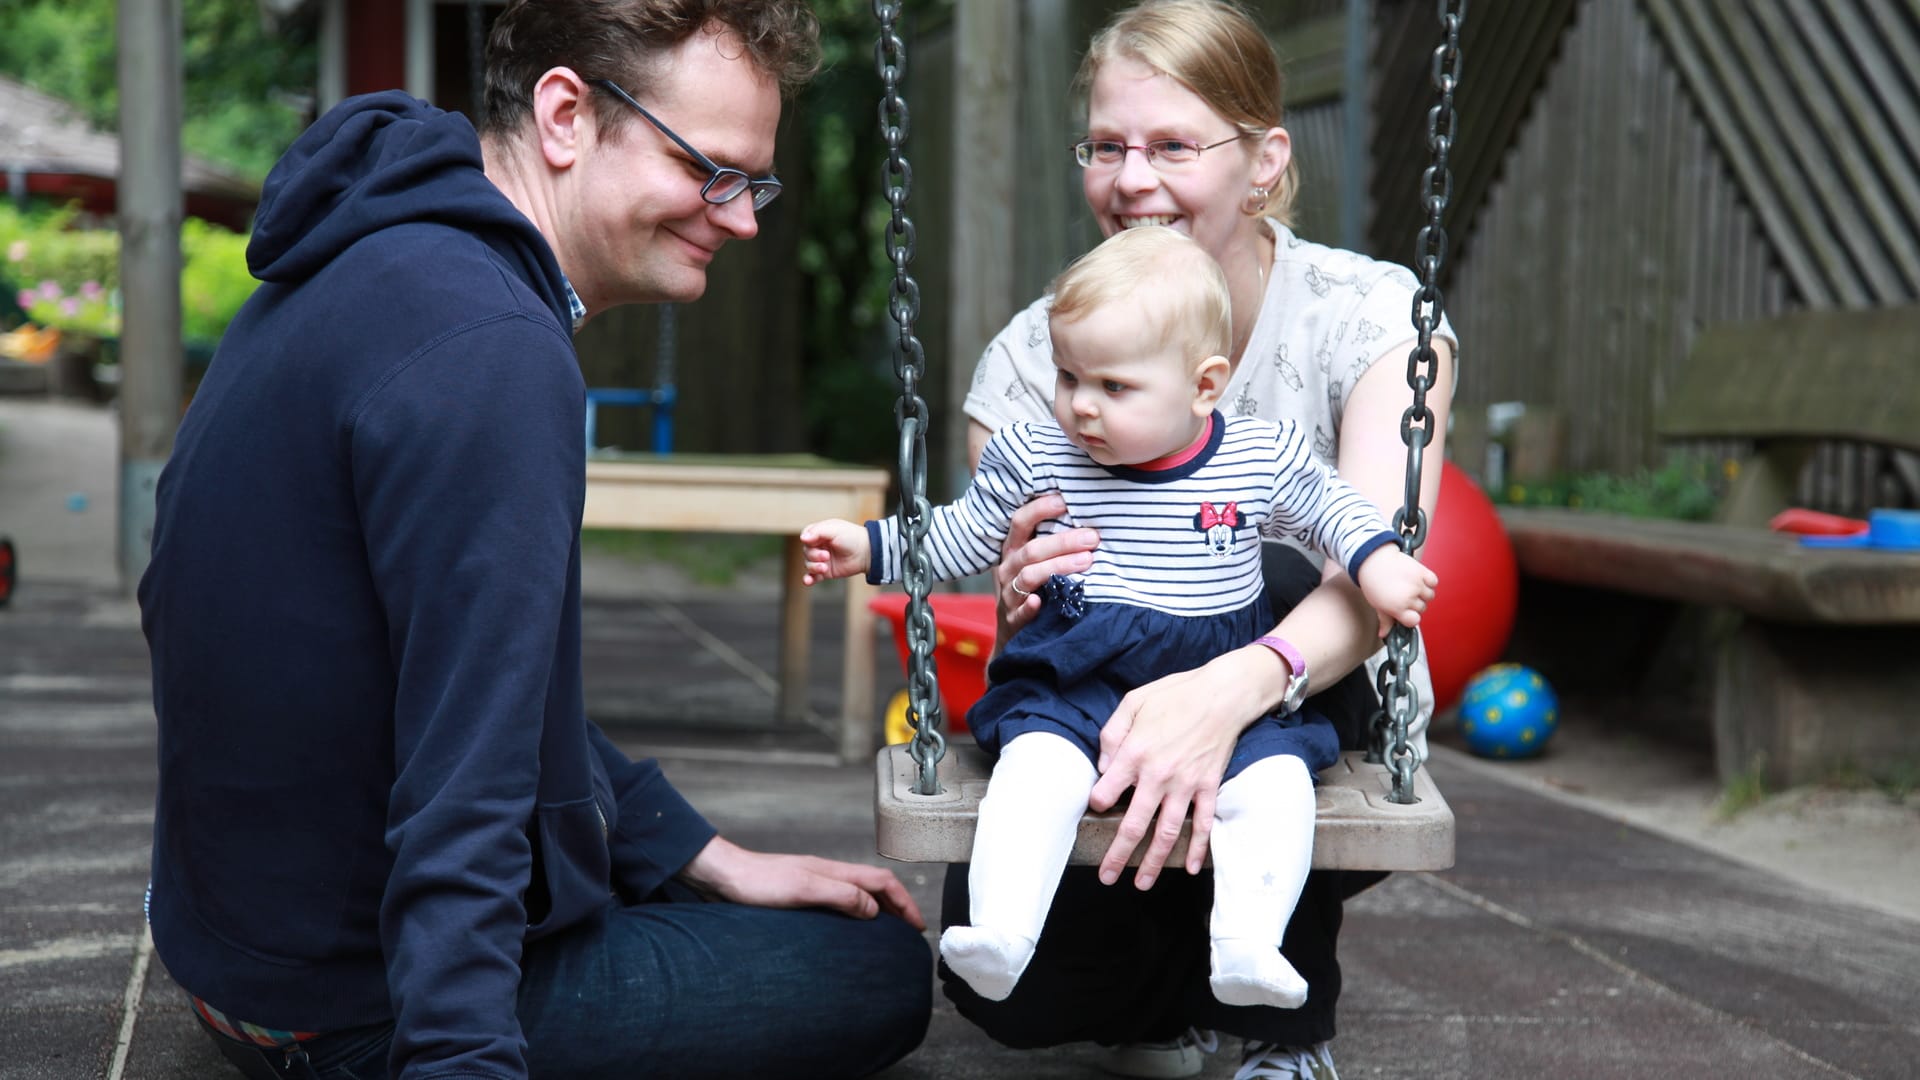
1067, 671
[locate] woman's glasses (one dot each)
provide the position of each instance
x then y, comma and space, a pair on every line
723, 184
1109, 153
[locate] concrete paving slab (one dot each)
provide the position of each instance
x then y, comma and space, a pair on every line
53, 1043
166, 1042
59, 482
1564, 943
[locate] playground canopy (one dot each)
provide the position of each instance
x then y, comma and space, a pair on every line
48, 149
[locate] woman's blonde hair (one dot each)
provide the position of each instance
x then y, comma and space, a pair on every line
1213, 48
1162, 274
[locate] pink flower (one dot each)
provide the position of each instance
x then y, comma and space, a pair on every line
70, 307
17, 251
50, 290
25, 298
91, 290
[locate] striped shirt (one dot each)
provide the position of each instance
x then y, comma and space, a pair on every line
1184, 540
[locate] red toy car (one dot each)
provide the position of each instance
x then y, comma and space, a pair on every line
963, 640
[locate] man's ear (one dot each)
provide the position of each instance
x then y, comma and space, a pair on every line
1210, 384
561, 116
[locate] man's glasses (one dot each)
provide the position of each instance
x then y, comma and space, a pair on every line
723, 184
1109, 153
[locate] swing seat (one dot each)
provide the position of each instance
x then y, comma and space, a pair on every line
1357, 827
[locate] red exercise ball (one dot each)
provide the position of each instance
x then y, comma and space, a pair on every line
1466, 626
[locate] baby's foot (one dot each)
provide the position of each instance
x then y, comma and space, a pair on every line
989, 961
1253, 973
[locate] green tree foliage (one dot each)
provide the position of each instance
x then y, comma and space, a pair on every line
843, 248
247, 89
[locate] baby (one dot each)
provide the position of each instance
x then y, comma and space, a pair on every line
1180, 496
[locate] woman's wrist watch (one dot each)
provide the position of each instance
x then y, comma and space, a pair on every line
1296, 694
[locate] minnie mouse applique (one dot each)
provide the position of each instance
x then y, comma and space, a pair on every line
1218, 526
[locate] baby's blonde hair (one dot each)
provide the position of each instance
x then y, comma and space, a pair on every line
1160, 273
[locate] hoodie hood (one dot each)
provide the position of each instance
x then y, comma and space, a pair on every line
382, 160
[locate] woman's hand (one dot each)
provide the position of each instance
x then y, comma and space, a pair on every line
1170, 741
1027, 561
730, 872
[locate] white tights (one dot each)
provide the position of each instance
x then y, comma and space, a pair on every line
1262, 849
1021, 842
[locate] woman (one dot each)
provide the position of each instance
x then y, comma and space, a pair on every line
1184, 129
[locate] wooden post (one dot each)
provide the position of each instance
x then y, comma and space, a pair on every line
985, 168
151, 359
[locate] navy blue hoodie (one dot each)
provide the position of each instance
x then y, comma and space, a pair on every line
377, 779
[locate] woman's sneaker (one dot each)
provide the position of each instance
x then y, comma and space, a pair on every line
1265, 1061
1170, 1060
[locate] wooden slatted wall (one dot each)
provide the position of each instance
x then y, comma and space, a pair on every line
1317, 131
1659, 182
1508, 47
1612, 234
1815, 107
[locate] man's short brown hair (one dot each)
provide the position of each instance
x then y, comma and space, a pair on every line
618, 40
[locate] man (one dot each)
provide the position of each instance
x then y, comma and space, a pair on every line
388, 842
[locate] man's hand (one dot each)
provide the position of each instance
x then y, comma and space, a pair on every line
834, 549
727, 871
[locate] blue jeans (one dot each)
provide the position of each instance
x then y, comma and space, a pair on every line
687, 990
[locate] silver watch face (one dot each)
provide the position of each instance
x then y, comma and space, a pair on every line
1296, 694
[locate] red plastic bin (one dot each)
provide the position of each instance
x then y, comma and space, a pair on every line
963, 641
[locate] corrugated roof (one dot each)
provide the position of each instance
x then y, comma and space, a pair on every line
40, 133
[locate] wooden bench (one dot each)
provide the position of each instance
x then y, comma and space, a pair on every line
760, 494
1816, 673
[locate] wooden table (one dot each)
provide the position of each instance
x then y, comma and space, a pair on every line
778, 494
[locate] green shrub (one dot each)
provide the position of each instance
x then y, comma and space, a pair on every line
90, 309
1686, 488
214, 280
45, 247
69, 277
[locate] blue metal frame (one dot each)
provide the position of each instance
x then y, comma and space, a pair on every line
660, 398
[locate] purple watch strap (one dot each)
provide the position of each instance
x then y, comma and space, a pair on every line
1287, 652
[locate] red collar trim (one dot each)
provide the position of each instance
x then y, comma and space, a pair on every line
1179, 457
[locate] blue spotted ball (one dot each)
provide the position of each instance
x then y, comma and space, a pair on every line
1508, 711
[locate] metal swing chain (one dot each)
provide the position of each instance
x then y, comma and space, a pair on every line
910, 412
1398, 699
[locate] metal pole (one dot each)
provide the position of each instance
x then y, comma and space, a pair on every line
1353, 90
666, 355
477, 62
151, 360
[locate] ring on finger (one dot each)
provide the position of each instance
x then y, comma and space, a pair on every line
1016, 588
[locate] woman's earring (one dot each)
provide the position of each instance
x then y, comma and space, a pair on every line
1256, 203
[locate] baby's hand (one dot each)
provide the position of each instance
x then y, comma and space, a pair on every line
1397, 586
835, 549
